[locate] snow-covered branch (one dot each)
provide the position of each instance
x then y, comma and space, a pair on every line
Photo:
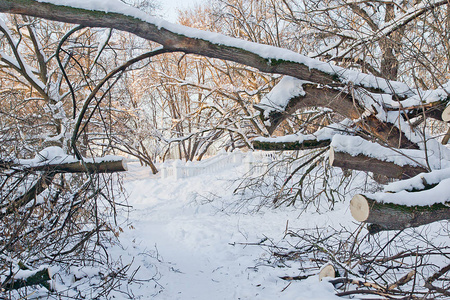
115, 14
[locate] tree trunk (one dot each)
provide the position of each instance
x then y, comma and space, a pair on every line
39, 277
316, 95
80, 167
374, 165
388, 216
305, 144
41, 185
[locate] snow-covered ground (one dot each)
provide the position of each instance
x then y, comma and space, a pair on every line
181, 234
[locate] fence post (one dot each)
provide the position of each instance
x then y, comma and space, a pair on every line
265, 164
163, 170
249, 161
188, 172
237, 156
178, 169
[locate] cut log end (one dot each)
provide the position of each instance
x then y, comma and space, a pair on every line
390, 216
446, 114
124, 164
108, 166
327, 271
359, 208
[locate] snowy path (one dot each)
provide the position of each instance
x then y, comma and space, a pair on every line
189, 242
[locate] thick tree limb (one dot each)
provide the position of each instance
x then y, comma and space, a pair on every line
303, 145
370, 164
202, 43
388, 216
345, 105
84, 167
317, 96
38, 187
50, 170
95, 165
38, 277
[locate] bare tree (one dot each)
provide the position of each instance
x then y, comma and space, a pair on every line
361, 97
56, 208
380, 118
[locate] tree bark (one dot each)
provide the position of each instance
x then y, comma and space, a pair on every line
370, 164
80, 167
386, 132
41, 185
39, 277
317, 96
343, 104
388, 216
306, 144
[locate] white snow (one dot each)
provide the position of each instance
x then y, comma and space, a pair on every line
438, 194
322, 134
200, 245
182, 241
21, 274
355, 145
418, 181
278, 98
56, 155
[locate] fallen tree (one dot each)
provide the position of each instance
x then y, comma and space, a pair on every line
372, 164
26, 278
390, 216
95, 165
380, 110
92, 165
420, 200
349, 93
274, 144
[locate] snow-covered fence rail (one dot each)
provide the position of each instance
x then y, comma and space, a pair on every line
254, 162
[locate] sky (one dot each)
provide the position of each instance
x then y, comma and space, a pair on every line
170, 7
